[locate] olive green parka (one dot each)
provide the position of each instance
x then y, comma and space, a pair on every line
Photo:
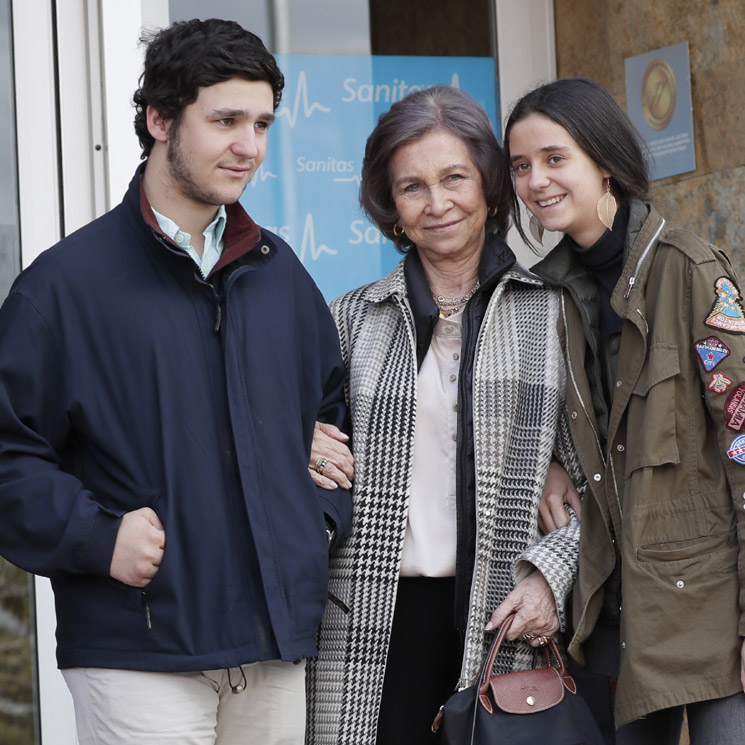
668, 489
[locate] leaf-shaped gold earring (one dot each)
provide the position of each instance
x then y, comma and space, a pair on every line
536, 229
607, 207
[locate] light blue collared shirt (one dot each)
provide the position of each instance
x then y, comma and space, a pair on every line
213, 234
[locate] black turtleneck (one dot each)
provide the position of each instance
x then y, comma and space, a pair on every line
604, 259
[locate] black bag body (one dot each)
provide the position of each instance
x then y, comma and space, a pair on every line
531, 707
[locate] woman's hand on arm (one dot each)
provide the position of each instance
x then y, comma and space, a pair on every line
558, 494
535, 610
331, 462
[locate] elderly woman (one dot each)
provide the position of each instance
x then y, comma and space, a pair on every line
455, 389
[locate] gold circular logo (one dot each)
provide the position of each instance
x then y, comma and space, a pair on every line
658, 93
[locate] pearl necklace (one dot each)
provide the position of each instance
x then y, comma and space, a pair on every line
449, 306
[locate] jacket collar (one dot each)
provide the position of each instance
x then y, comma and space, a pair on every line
645, 228
392, 285
495, 261
409, 281
561, 267
241, 232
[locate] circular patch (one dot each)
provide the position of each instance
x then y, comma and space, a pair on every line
736, 450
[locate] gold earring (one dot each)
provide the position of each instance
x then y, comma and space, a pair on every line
398, 230
493, 212
607, 207
536, 229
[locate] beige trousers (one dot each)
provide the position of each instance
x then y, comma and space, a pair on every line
129, 707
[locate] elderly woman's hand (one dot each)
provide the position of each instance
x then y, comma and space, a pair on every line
558, 494
331, 462
535, 611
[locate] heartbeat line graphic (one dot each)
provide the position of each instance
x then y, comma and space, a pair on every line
301, 96
355, 179
261, 175
309, 242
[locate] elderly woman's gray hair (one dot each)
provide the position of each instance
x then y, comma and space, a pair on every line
440, 107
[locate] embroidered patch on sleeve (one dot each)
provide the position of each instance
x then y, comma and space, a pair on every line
736, 451
719, 383
711, 351
734, 408
727, 312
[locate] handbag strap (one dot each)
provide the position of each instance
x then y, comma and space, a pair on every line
488, 666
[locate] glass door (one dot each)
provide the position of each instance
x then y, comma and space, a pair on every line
19, 720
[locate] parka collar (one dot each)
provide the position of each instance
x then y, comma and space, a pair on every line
645, 228
561, 267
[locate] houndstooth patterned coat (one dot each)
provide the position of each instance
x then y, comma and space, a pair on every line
518, 409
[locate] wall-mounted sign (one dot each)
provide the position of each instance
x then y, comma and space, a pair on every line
658, 99
307, 188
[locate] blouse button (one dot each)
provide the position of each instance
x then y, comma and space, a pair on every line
680, 584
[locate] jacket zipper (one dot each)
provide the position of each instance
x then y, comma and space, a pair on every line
651, 243
146, 607
178, 250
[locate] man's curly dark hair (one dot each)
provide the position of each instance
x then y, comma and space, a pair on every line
189, 55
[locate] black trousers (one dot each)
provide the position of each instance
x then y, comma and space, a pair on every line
424, 660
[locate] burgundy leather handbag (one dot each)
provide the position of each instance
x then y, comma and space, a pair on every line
529, 707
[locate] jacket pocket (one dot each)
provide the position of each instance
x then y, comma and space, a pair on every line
692, 548
681, 613
651, 431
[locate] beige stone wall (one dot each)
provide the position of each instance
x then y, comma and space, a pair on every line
593, 37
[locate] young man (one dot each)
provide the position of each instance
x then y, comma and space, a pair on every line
161, 371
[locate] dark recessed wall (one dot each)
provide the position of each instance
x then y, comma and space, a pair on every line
437, 28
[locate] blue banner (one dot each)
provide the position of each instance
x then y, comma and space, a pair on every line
307, 189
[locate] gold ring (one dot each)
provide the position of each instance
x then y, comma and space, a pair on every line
543, 640
321, 463
529, 637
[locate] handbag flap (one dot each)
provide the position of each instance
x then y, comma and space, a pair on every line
527, 691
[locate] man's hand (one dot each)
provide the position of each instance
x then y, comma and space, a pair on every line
558, 493
331, 462
139, 548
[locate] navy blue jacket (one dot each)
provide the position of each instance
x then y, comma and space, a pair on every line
127, 380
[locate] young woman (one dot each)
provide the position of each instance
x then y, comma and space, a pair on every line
653, 331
